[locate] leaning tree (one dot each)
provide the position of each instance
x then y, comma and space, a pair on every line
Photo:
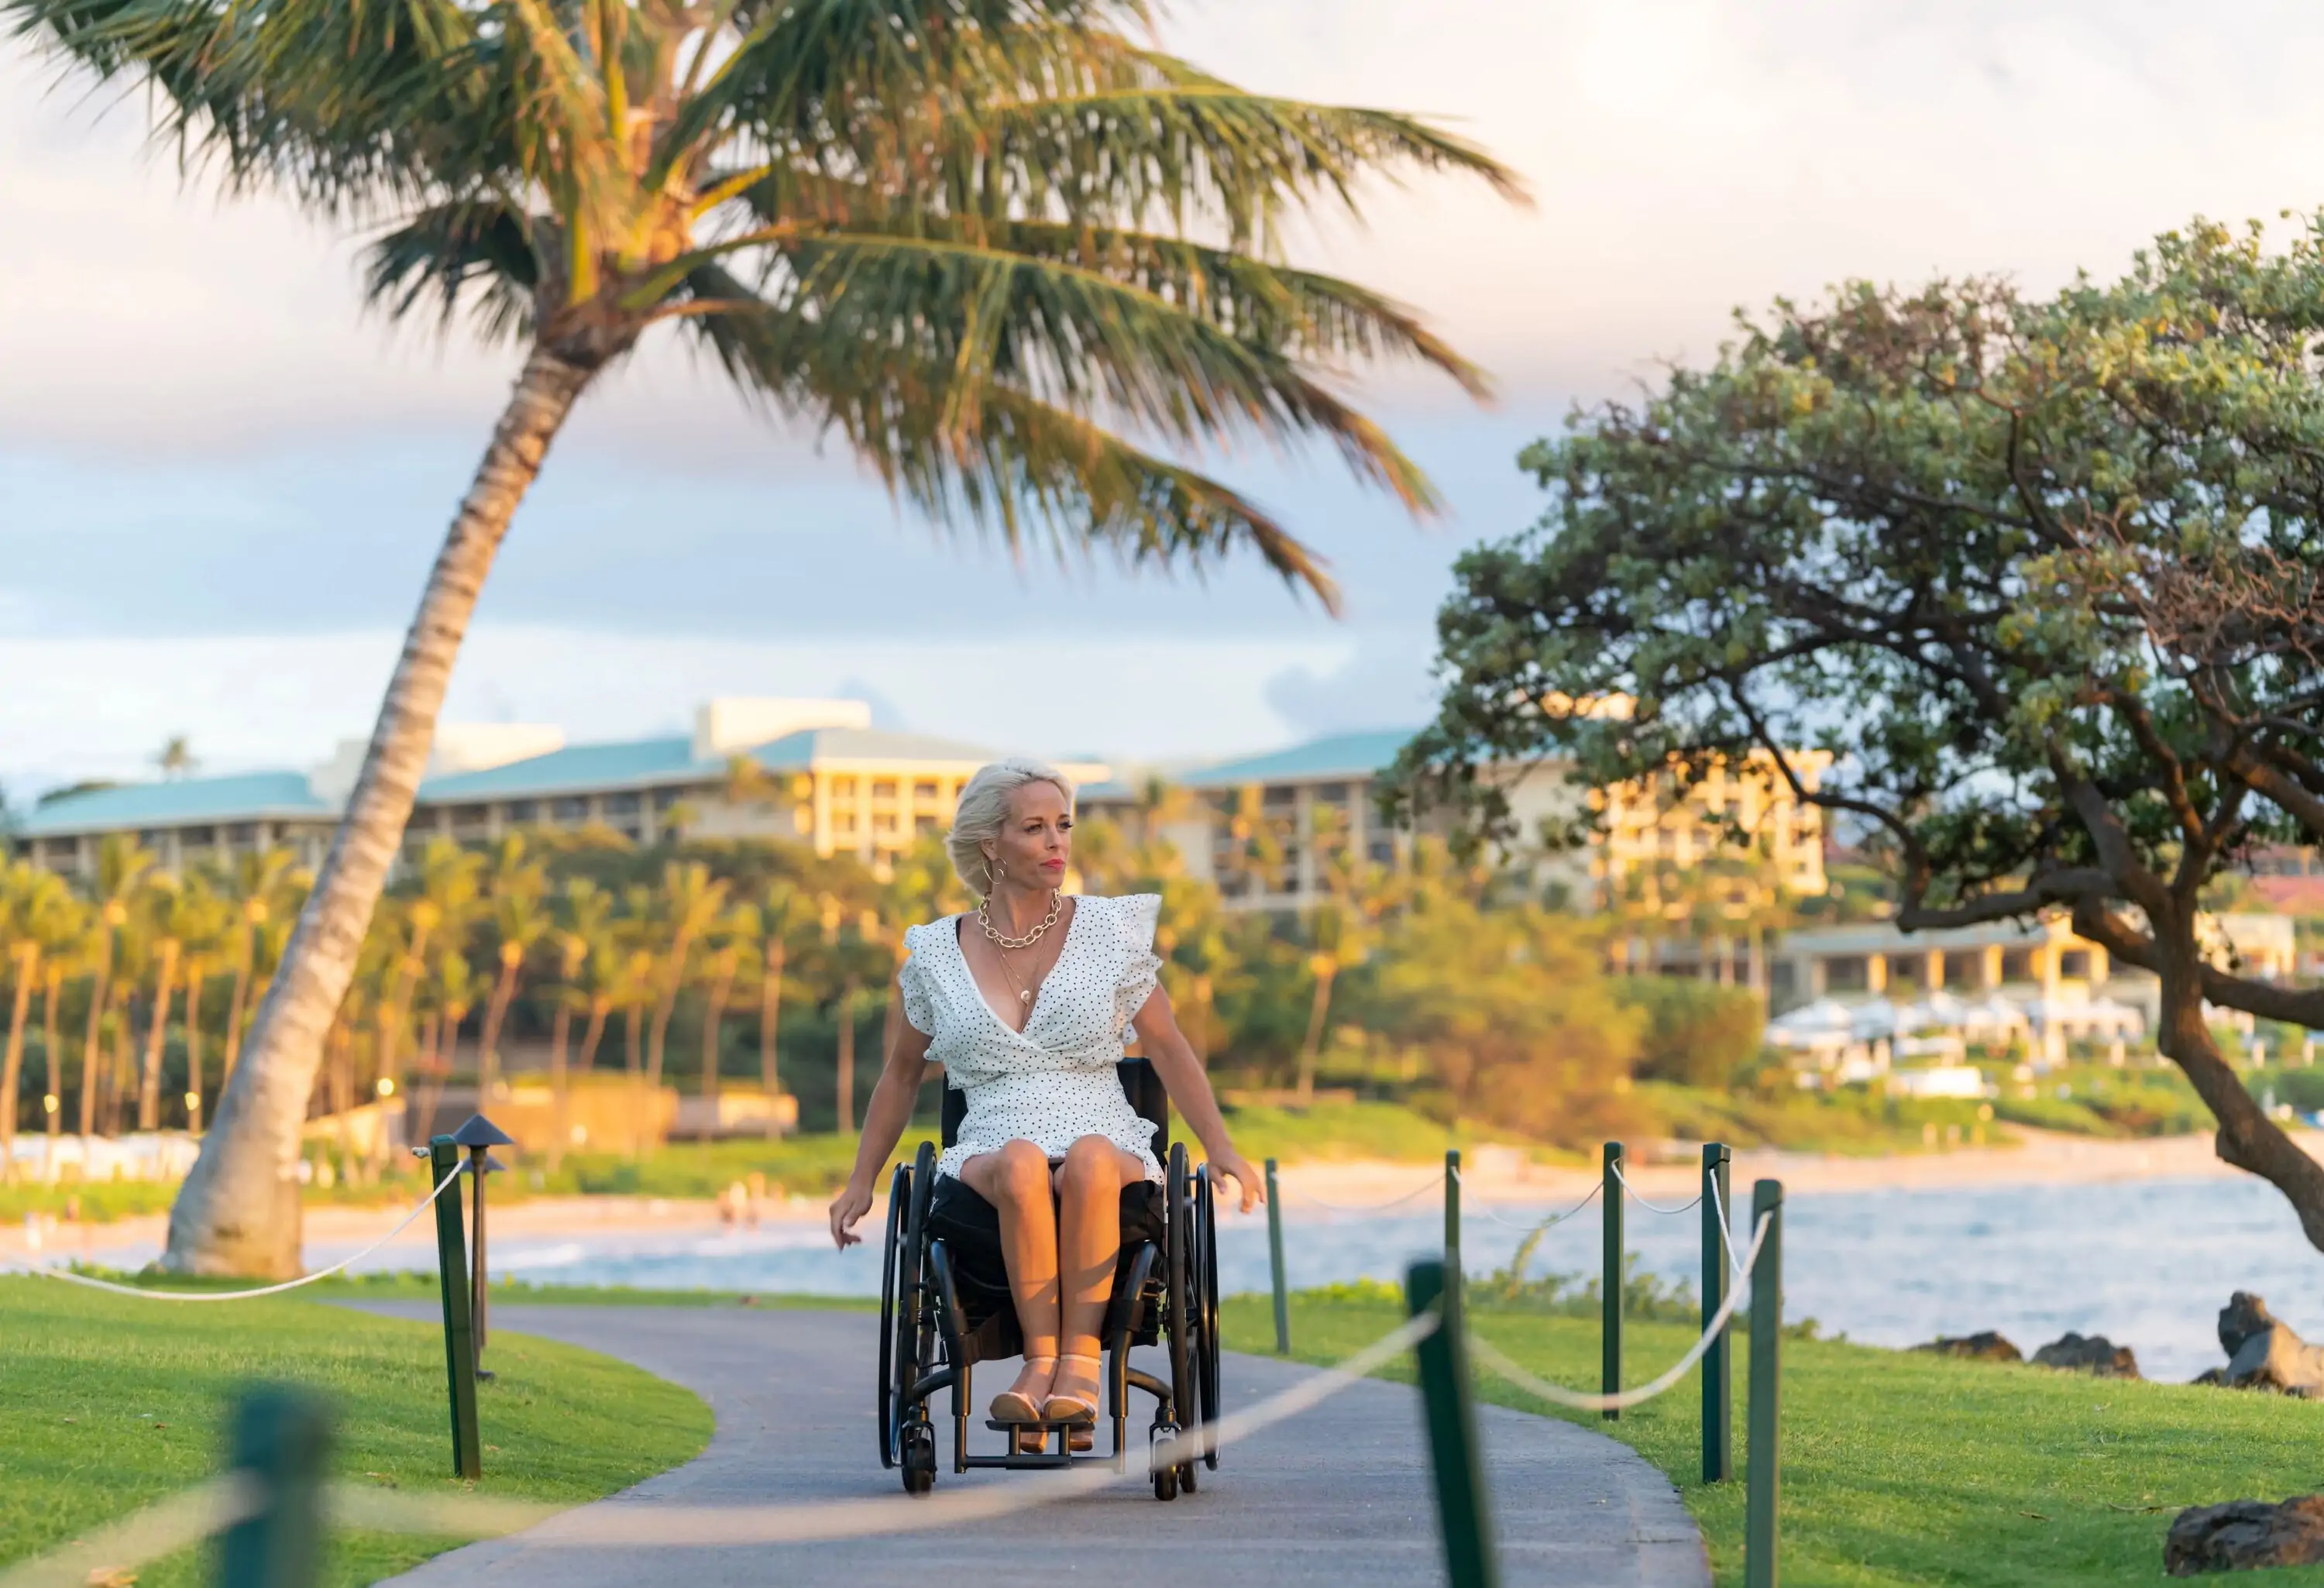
2040, 575
1024, 264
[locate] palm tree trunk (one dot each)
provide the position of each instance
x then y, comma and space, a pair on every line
238, 1002
12, 1068
488, 1057
713, 1022
99, 987
1313, 1044
560, 1029
195, 975
118, 1073
52, 987
595, 1034
846, 1065
148, 1085
238, 1212
658, 1038
771, 1014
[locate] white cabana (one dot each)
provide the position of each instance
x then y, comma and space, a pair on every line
1823, 1024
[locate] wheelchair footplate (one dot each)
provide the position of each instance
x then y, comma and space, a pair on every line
1056, 1444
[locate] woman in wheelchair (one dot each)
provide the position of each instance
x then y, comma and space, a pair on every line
1025, 1002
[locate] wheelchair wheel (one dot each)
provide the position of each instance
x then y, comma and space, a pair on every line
894, 1364
1207, 1249
1182, 1311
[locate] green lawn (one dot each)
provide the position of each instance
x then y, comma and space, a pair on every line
1900, 1468
109, 1402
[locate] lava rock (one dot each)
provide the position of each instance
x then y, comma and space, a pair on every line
2244, 1534
2264, 1352
1982, 1346
2243, 1316
2088, 1353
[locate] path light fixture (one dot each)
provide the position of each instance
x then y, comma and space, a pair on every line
478, 1137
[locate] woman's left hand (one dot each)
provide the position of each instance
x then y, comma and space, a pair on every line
1231, 1164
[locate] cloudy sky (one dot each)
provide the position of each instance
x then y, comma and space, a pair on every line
220, 485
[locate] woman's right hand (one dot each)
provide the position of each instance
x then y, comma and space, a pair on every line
851, 1204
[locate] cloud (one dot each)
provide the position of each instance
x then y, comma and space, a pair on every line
1383, 685
1687, 156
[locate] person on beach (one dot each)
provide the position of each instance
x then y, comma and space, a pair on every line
1025, 1000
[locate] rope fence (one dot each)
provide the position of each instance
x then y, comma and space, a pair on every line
272, 1509
150, 1293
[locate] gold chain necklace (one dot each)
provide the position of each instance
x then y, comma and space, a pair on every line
1040, 929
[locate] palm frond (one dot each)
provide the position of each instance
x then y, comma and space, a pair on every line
475, 254
1024, 470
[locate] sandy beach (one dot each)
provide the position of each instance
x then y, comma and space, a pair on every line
1497, 1176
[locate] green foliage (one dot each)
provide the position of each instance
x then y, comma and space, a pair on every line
1646, 1296
1695, 1033
108, 1403
2026, 586
1510, 1003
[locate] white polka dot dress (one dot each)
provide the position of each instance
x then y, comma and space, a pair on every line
1054, 1082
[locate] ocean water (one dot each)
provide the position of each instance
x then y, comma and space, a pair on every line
2147, 1263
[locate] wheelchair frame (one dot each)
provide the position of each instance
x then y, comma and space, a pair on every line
926, 1345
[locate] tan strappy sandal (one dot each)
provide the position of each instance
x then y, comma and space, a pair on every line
1076, 1409
1011, 1407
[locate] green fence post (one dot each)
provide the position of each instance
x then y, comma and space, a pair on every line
1610, 1328
1275, 1262
280, 1439
1718, 1390
459, 1334
1464, 1508
1452, 1271
1763, 1474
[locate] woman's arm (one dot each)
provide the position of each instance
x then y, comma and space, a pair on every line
1173, 1058
884, 1119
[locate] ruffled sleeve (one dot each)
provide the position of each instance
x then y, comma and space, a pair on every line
1140, 965
916, 981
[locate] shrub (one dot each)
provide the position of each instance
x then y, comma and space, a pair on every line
1692, 1033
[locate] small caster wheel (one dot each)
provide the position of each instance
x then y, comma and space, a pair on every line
920, 1462
1166, 1477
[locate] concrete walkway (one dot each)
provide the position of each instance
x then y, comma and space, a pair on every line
1337, 1496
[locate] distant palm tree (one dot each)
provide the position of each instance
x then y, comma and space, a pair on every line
968, 236
515, 887
176, 759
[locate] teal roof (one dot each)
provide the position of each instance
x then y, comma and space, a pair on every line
577, 768
1341, 755
245, 796
637, 763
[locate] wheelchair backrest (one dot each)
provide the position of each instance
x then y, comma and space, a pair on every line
1139, 1084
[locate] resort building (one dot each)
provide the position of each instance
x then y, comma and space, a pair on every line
1253, 826
811, 770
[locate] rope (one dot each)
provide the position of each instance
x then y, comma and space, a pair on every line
70, 1277
1559, 1395
110, 1553
1553, 1219
1651, 1206
1420, 1190
1725, 1244
187, 1518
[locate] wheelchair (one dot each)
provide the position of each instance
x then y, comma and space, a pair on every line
944, 1307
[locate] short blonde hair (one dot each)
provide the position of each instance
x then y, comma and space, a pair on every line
983, 810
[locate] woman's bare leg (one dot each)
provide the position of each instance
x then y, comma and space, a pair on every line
1089, 1246
1016, 1180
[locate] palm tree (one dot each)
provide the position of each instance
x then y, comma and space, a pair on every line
167, 949
257, 883
781, 913
198, 920
515, 890
724, 939
121, 867
964, 233
692, 901
176, 759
